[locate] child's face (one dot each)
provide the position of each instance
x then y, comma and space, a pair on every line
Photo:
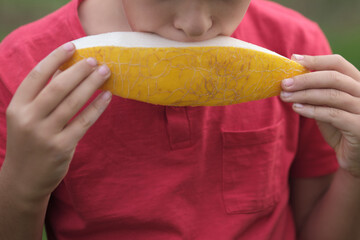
185, 20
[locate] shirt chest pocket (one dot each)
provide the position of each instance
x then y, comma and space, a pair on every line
251, 171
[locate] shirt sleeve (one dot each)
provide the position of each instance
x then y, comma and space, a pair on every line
314, 156
10, 75
5, 97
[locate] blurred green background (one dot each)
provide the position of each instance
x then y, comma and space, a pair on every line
340, 20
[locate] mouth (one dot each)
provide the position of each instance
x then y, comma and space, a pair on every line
181, 37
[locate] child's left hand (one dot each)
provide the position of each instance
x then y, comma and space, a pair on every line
330, 95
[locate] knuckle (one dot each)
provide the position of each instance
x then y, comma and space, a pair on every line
338, 59
356, 106
56, 147
96, 106
72, 103
302, 79
20, 118
34, 74
56, 87
349, 102
314, 60
84, 66
335, 76
41, 136
84, 122
11, 112
61, 150
23, 122
334, 113
57, 53
333, 94
306, 93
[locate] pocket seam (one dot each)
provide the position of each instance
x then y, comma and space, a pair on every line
231, 201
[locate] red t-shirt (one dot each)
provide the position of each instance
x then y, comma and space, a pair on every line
154, 172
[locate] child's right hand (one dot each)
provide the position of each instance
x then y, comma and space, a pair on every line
40, 139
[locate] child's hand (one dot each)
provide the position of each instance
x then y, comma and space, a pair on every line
41, 141
331, 95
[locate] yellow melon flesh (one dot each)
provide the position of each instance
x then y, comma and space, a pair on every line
188, 74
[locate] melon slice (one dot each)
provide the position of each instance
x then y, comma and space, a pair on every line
221, 71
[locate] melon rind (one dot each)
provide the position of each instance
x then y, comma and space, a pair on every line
216, 72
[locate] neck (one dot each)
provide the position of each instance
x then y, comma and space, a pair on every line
99, 17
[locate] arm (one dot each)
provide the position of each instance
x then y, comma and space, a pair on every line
335, 215
331, 95
305, 193
21, 218
40, 139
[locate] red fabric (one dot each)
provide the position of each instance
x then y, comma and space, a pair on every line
153, 172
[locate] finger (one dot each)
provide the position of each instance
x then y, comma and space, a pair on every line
324, 97
72, 104
57, 73
55, 92
79, 126
340, 119
41, 74
328, 62
321, 80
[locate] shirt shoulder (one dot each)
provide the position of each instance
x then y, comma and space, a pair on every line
22, 49
282, 30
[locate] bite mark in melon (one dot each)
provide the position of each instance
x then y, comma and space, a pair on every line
220, 71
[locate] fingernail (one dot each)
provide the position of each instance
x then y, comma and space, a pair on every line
91, 61
286, 94
106, 96
298, 57
69, 46
104, 70
298, 105
288, 82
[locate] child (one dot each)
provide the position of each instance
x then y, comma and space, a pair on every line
152, 172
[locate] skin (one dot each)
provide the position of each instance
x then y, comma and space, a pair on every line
38, 116
181, 20
330, 95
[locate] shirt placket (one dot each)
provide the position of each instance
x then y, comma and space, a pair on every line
178, 127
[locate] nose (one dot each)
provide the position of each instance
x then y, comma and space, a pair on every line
194, 19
